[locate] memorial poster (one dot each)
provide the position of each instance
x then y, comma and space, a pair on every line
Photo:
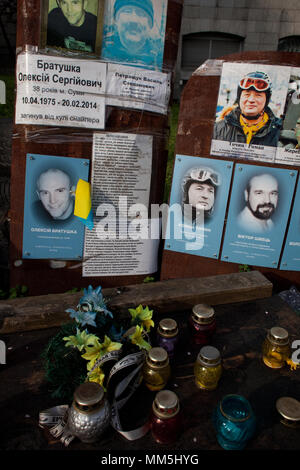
60, 91
134, 32
250, 105
259, 208
72, 26
131, 87
50, 229
120, 243
197, 207
288, 149
290, 259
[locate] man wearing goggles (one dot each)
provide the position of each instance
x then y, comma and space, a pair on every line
251, 121
199, 188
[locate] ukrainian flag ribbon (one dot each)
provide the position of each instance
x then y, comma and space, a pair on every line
83, 203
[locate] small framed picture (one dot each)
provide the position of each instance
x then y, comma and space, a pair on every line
72, 25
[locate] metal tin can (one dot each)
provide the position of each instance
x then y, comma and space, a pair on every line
202, 324
276, 348
90, 412
156, 369
165, 418
208, 368
289, 409
167, 335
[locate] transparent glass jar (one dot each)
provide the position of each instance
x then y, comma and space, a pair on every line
202, 324
167, 336
156, 369
208, 368
166, 419
234, 422
276, 348
89, 415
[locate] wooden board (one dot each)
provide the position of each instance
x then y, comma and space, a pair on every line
38, 312
195, 126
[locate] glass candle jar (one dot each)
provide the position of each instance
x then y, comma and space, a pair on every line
202, 324
276, 348
289, 410
208, 368
90, 412
167, 336
165, 418
156, 369
234, 422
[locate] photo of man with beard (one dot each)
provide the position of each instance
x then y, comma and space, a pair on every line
261, 196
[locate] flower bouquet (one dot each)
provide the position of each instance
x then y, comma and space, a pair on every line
97, 347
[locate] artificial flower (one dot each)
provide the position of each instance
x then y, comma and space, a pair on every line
94, 350
97, 376
142, 316
138, 338
84, 318
79, 341
93, 301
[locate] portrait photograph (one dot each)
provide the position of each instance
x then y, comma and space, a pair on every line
50, 228
72, 25
250, 109
198, 201
259, 209
288, 147
134, 32
290, 259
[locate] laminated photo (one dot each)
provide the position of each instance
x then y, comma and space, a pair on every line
288, 147
72, 25
258, 212
197, 207
249, 111
134, 32
290, 260
50, 228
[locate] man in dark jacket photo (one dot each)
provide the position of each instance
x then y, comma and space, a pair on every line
250, 120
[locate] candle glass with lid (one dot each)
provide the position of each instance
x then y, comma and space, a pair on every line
289, 410
208, 368
167, 336
202, 324
90, 412
276, 348
156, 369
165, 418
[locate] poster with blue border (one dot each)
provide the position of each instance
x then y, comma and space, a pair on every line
290, 259
198, 200
50, 229
134, 32
259, 208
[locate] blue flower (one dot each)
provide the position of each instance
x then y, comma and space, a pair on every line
84, 318
93, 301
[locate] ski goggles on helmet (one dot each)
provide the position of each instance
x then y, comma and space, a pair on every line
202, 174
258, 80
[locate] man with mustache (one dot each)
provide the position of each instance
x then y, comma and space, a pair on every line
261, 196
132, 39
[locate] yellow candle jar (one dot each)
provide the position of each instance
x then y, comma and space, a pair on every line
276, 348
208, 368
156, 369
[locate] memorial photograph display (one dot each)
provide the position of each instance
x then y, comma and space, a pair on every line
258, 213
72, 25
249, 111
291, 254
134, 32
288, 149
197, 205
50, 228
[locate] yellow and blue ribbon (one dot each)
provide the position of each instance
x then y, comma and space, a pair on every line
83, 203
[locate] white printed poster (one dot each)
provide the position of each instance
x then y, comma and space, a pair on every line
249, 111
131, 87
121, 241
59, 91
